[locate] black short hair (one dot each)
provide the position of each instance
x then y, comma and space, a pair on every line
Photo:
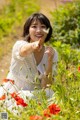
43, 19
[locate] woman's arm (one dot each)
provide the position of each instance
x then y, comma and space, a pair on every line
47, 76
30, 47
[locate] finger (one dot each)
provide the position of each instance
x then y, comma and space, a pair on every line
47, 51
40, 41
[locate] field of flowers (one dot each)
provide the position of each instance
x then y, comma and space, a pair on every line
65, 102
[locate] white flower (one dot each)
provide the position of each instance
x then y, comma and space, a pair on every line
46, 30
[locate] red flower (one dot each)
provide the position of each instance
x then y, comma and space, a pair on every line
12, 81
46, 113
5, 80
3, 97
79, 69
36, 117
19, 100
8, 80
54, 109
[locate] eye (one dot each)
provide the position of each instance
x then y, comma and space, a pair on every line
33, 26
43, 26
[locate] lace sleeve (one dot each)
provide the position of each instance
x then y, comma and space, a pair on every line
16, 49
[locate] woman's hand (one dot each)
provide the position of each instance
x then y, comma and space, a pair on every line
37, 44
50, 51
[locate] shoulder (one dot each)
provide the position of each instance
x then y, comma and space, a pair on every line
19, 43
55, 58
55, 51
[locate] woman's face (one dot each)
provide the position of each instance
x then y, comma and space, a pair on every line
36, 31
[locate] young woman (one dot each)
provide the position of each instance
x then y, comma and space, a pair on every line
33, 63
31, 59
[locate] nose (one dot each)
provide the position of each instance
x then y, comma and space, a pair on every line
38, 29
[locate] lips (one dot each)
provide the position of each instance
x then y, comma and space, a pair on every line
39, 36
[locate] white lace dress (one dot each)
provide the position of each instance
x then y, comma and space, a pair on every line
24, 71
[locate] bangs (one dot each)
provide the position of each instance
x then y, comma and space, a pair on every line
40, 19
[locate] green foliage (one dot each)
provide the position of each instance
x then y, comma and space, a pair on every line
5, 25
13, 15
66, 24
66, 87
19, 9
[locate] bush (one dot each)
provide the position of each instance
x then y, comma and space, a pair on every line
66, 24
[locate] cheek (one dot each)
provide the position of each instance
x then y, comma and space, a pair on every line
31, 32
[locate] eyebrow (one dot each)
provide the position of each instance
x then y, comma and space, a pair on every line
37, 24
